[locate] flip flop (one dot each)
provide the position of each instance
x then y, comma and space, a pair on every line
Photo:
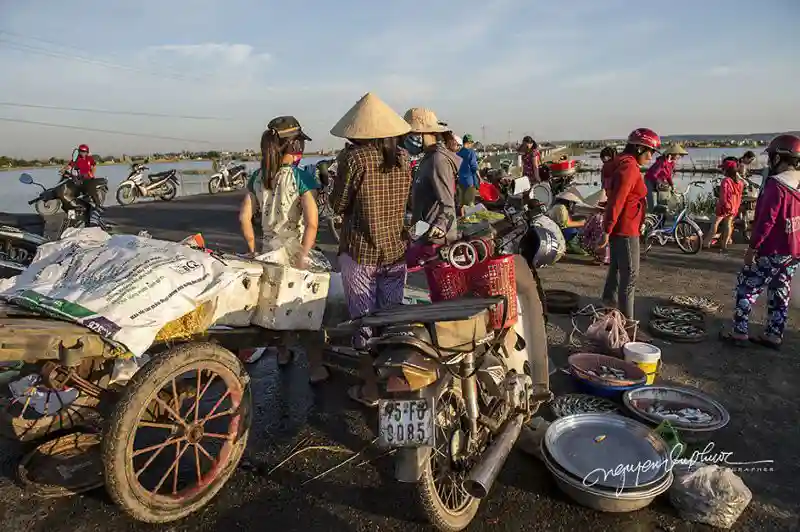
769, 344
728, 338
356, 393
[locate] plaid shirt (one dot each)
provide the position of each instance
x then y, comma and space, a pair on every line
373, 203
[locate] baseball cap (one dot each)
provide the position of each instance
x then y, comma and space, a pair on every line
287, 127
467, 138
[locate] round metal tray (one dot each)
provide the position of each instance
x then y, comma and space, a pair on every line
608, 451
638, 400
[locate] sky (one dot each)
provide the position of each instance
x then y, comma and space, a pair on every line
568, 69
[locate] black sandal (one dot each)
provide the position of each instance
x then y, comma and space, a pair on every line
769, 344
729, 338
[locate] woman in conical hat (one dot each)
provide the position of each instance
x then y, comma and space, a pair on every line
371, 190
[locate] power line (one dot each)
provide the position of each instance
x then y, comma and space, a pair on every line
102, 111
26, 48
112, 132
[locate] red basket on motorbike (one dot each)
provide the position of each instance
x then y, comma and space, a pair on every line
496, 277
446, 282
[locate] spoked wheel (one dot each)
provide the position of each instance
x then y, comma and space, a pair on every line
688, 238
126, 194
441, 493
168, 191
177, 433
214, 184
645, 242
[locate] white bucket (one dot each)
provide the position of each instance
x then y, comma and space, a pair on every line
646, 356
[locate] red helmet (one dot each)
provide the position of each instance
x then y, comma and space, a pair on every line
729, 165
785, 145
645, 137
83, 147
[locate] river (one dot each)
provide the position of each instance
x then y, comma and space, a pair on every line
14, 196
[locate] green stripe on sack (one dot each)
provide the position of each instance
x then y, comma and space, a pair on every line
57, 308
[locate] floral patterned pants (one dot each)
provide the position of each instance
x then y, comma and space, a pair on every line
773, 272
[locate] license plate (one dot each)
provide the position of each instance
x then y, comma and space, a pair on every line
406, 423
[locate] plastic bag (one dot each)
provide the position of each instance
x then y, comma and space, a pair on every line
608, 330
125, 368
709, 494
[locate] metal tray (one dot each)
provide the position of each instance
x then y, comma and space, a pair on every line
608, 451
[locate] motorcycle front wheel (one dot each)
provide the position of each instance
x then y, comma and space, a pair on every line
168, 191
47, 207
214, 184
126, 194
445, 503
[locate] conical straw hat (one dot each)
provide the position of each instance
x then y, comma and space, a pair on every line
370, 118
424, 120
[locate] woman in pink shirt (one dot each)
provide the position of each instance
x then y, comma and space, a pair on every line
774, 253
728, 203
659, 176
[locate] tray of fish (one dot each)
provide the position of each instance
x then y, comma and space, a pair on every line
605, 369
678, 331
704, 304
684, 408
677, 313
579, 403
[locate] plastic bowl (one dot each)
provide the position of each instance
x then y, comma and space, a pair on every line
603, 390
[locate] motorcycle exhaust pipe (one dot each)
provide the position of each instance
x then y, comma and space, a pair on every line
483, 475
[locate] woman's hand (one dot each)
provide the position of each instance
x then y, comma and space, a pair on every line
603, 242
301, 260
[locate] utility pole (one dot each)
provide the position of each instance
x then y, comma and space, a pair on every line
483, 136
509, 138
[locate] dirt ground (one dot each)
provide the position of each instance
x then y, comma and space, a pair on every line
757, 386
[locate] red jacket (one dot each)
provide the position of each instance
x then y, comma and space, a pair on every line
625, 209
84, 166
661, 171
776, 230
730, 197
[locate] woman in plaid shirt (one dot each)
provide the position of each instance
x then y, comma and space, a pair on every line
370, 192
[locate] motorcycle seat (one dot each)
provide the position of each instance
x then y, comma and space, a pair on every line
161, 174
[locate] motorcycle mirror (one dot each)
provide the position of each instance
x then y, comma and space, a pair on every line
26, 179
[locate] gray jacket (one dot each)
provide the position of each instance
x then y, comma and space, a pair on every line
433, 199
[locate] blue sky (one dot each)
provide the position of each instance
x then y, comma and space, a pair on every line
555, 69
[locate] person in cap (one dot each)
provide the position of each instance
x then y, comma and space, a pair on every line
624, 216
531, 159
607, 154
773, 256
658, 178
434, 195
730, 199
562, 213
371, 192
468, 180
745, 161
285, 197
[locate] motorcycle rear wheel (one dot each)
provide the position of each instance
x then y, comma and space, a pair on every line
126, 194
445, 504
169, 191
47, 208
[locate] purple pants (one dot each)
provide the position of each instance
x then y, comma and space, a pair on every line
370, 288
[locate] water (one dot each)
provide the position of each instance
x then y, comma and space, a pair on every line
14, 196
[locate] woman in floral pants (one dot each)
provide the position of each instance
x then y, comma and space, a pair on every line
774, 253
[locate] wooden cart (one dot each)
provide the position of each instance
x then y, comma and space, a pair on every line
171, 436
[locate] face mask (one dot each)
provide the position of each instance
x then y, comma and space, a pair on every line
413, 144
296, 157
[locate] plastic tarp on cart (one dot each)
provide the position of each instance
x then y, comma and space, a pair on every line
125, 288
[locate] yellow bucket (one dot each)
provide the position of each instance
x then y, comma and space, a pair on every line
646, 356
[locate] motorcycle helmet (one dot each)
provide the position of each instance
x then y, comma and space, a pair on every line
788, 145
83, 148
646, 138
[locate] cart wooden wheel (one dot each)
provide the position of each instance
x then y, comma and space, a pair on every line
177, 433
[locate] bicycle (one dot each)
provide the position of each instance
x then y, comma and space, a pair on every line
684, 231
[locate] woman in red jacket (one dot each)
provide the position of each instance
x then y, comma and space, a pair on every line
622, 222
730, 199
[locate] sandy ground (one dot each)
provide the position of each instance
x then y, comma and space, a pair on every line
757, 386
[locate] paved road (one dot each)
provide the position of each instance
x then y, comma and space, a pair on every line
358, 496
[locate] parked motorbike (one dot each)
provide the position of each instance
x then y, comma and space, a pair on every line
17, 249
140, 184
80, 209
232, 176
455, 395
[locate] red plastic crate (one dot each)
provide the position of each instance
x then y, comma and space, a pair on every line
496, 277
446, 282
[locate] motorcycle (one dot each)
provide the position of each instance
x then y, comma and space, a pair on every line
17, 250
161, 185
80, 209
454, 395
231, 176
